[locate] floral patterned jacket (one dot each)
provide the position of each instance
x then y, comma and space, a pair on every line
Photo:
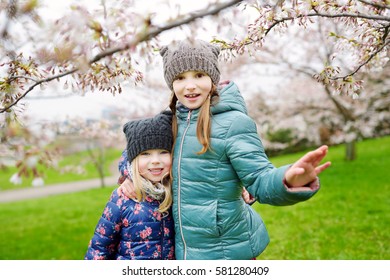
130, 230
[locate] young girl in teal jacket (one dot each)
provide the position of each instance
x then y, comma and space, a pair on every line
217, 152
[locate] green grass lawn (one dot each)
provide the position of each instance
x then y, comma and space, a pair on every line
348, 219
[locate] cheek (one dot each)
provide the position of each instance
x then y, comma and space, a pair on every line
142, 164
207, 84
168, 162
210, 88
176, 86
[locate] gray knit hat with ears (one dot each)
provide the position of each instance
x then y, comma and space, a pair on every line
148, 134
183, 56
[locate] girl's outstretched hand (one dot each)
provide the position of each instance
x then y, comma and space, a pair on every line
306, 169
127, 189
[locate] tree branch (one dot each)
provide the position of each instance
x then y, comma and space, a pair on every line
22, 77
154, 31
338, 16
37, 83
363, 64
342, 15
371, 17
149, 34
379, 6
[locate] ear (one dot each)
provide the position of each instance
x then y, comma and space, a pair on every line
126, 127
216, 50
163, 50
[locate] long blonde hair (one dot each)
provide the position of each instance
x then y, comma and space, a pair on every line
138, 181
203, 127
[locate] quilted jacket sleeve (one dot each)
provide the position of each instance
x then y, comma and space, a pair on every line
261, 178
103, 245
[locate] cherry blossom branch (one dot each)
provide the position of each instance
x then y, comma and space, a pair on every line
250, 41
379, 48
154, 31
375, 4
37, 83
364, 63
386, 43
151, 32
341, 15
22, 77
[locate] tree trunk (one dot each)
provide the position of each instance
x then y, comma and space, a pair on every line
102, 183
98, 162
101, 175
350, 148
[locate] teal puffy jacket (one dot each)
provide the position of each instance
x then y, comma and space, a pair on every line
211, 219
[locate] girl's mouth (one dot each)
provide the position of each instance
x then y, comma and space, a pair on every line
191, 96
156, 171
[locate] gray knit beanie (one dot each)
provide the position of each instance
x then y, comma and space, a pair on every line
147, 134
186, 56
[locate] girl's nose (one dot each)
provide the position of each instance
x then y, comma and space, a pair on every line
155, 158
190, 85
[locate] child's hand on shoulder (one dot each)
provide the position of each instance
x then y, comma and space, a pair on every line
126, 189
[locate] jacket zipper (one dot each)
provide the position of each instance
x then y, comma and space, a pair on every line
179, 185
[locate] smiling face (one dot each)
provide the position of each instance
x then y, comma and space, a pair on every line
192, 88
154, 164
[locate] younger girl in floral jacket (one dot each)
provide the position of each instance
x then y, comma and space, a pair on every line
143, 228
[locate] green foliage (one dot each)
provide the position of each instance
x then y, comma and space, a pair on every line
283, 135
348, 219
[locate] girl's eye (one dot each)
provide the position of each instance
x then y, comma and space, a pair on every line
164, 152
144, 154
200, 75
179, 78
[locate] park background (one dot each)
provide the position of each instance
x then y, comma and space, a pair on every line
348, 219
